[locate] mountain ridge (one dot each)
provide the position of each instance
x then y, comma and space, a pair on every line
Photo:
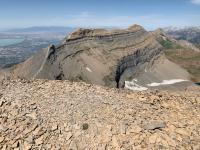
105, 57
180, 50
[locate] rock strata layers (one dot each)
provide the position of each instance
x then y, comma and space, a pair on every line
99, 56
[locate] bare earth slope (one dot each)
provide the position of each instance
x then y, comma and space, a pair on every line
103, 57
63, 115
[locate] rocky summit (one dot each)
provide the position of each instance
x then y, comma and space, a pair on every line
104, 57
60, 115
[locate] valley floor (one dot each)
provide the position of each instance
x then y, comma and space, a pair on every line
44, 114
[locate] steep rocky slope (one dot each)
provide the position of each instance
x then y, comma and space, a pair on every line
63, 115
162, 35
104, 57
181, 52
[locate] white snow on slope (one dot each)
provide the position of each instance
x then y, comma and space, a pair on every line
131, 85
166, 82
88, 69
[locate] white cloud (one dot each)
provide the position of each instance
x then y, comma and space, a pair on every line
197, 2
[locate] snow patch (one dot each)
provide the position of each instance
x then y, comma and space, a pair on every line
131, 85
88, 69
167, 82
135, 80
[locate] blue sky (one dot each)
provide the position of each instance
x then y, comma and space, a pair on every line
97, 13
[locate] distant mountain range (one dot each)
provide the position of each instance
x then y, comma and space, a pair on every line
42, 29
180, 28
191, 34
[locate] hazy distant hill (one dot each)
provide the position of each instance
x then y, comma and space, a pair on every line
42, 29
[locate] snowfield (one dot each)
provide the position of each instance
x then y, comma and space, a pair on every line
131, 85
166, 82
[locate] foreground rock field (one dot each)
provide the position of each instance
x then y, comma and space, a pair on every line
58, 115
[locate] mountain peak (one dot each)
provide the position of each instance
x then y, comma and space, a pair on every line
81, 32
135, 27
92, 32
104, 57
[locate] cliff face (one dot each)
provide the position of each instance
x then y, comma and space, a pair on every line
96, 56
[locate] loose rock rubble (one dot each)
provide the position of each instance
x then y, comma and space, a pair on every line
59, 115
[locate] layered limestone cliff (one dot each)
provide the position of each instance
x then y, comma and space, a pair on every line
98, 56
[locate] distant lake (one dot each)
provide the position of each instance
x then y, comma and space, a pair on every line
8, 42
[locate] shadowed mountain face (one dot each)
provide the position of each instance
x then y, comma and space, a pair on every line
103, 57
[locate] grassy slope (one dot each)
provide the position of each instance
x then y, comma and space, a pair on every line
188, 59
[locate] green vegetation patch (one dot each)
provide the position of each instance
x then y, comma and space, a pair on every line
167, 44
186, 58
